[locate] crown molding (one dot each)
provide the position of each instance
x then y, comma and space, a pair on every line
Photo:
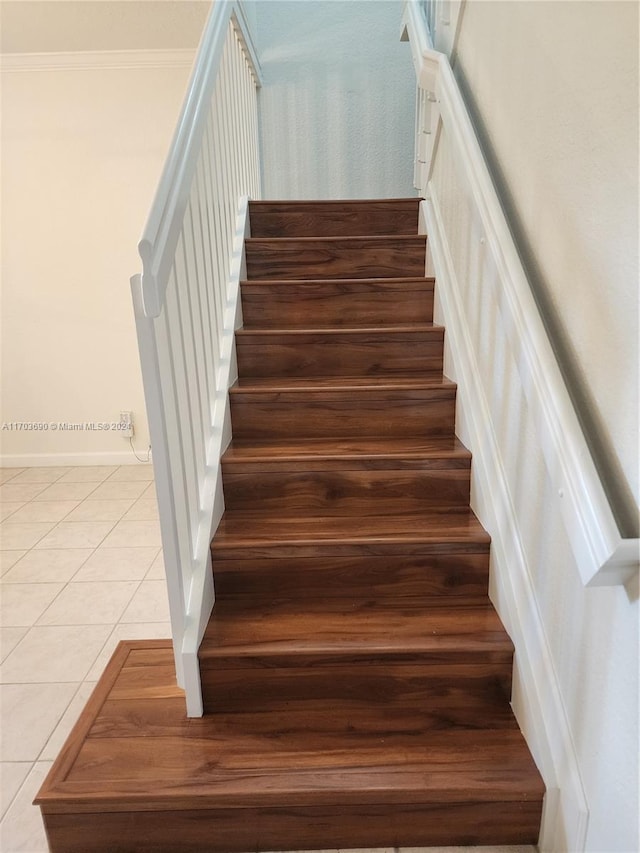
97, 60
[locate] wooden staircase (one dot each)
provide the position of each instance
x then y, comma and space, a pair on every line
356, 678
352, 638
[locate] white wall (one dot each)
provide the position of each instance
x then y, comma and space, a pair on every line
82, 151
554, 87
338, 99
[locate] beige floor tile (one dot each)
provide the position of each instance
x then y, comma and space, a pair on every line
22, 830
156, 572
119, 491
9, 508
30, 713
150, 492
40, 475
56, 565
100, 510
76, 534
9, 639
133, 534
43, 511
54, 654
89, 474
8, 559
133, 631
142, 510
149, 604
15, 536
11, 493
12, 774
117, 564
69, 718
7, 474
23, 603
67, 492
133, 473
91, 603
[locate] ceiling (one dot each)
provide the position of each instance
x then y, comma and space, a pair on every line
60, 26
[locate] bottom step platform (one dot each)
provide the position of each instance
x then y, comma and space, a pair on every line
137, 775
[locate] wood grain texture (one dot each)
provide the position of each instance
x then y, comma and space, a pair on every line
403, 351
421, 578
425, 453
273, 535
412, 698
333, 218
335, 630
347, 493
355, 676
334, 257
236, 830
138, 775
318, 409
336, 303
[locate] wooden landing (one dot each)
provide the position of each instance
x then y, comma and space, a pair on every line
136, 775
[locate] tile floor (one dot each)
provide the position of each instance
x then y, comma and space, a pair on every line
80, 569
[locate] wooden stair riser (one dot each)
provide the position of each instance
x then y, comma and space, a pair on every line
258, 830
325, 304
418, 578
335, 646
333, 218
345, 492
415, 697
322, 414
369, 353
335, 257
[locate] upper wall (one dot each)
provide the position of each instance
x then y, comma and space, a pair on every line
553, 89
337, 104
82, 152
64, 26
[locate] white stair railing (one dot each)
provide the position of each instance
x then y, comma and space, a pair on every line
187, 308
535, 486
605, 554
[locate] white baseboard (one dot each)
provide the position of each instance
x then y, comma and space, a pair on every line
537, 700
52, 460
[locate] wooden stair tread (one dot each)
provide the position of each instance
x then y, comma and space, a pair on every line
238, 630
342, 331
364, 284
477, 766
349, 240
344, 384
134, 750
423, 449
450, 528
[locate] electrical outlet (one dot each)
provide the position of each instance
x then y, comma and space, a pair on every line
126, 424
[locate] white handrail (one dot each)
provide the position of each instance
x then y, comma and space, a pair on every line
158, 242
604, 555
186, 303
